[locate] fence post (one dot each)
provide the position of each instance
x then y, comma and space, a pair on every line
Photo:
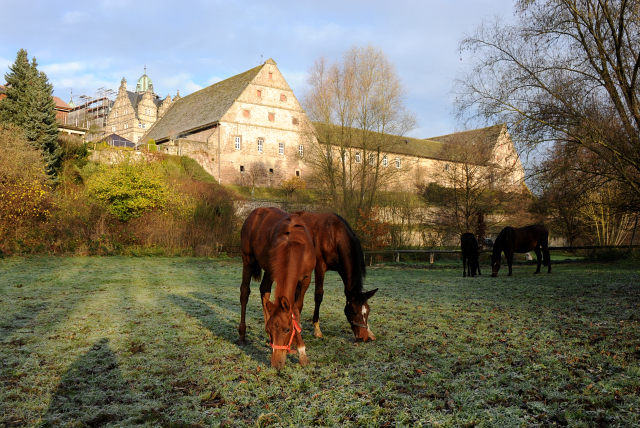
431, 255
397, 257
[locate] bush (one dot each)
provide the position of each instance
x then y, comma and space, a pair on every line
129, 188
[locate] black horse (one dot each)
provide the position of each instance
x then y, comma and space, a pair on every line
470, 262
521, 240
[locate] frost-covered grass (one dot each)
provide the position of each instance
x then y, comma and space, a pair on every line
153, 342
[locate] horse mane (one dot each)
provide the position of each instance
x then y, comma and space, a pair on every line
289, 239
356, 254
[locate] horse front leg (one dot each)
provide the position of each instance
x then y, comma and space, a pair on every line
464, 266
265, 294
245, 290
539, 259
509, 257
317, 297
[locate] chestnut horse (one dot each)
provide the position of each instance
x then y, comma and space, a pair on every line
279, 244
521, 240
469, 246
338, 249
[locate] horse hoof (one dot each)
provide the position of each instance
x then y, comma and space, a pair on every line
304, 360
317, 334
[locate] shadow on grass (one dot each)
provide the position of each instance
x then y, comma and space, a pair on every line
219, 326
92, 392
20, 320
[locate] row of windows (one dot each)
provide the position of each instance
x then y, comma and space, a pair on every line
270, 116
283, 97
114, 127
147, 111
372, 159
238, 146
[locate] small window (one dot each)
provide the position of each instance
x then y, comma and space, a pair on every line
259, 93
144, 126
385, 161
283, 97
126, 126
270, 170
372, 159
113, 128
139, 138
294, 120
116, 114
270, 76
139, 125
280, 148
238, 143
446, 167
297, 173
245, 113
241, 168
260, 146
358, 157
398, 163
272, 117
301, 150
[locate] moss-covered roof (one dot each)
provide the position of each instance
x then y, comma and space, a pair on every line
431, 148
202, 108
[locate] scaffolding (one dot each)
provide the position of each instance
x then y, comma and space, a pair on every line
92, 111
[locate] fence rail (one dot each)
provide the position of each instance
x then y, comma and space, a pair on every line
432, 253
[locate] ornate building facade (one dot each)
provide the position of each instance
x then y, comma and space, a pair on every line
133, 113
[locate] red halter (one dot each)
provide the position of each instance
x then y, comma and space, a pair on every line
296, 327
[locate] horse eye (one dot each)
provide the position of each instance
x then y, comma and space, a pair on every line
287, 330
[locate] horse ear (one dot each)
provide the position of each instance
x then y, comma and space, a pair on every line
284, 304
369, 294
269, 308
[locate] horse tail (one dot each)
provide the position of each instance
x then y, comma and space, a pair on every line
354, 255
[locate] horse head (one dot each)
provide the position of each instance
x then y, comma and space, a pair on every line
357, 313
281, 327
495, 265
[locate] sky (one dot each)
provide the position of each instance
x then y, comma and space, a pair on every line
188, 45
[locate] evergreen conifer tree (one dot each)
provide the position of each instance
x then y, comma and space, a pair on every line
29, 104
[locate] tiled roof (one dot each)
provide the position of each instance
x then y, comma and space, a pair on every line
431, 148
202, 108
61, 104
490, 133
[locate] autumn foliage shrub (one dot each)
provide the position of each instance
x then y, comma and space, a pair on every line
25, 193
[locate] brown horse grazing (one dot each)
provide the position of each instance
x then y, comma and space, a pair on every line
521, 240
469, 246
338, 249
280, 244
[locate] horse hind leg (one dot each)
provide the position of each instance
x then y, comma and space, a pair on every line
464, 266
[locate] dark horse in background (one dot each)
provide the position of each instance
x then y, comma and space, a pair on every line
279, 244
339, 249
470, 263
521, 240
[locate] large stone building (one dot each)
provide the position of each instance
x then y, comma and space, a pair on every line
247, 128
251, 129
133, 113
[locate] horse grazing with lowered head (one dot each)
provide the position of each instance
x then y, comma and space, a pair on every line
339, 249
279, 244
521, 240
470, 263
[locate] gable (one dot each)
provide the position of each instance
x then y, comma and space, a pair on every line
202, 108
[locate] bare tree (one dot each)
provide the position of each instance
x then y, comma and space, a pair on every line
565, 72
358, 111
472, 185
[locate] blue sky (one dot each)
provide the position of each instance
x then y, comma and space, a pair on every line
188, 45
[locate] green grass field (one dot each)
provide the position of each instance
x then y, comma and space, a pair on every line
117, 341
